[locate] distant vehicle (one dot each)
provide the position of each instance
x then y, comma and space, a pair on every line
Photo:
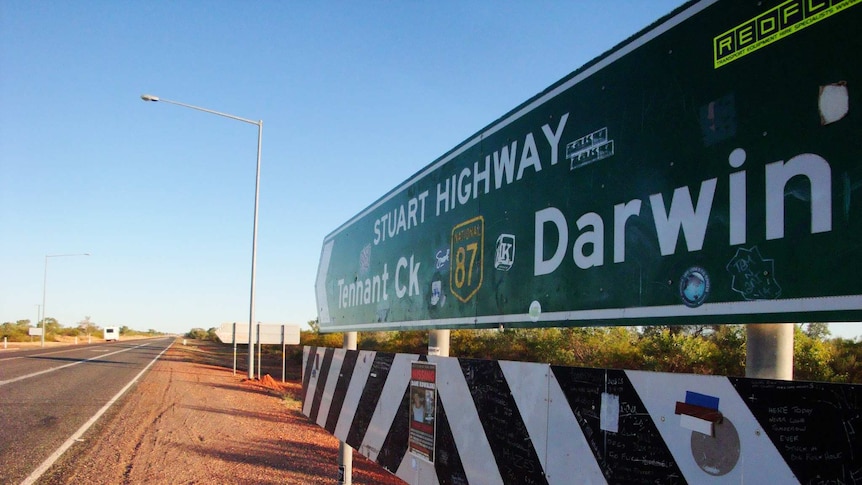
112, 333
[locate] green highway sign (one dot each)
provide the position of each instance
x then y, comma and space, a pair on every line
707, 170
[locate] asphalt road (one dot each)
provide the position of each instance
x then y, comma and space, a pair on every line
48, 395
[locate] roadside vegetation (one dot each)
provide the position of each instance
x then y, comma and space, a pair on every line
54, 331
697, 349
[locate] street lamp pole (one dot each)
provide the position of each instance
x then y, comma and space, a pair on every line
259, 124
45, 286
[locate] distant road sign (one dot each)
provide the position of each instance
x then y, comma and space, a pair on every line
269, 333
707, 170
34, 331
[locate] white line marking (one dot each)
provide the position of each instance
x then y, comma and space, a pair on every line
83, 429
4, 359
52, 369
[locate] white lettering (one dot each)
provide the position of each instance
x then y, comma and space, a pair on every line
400, 291
483, 176
400, 219
595, 237
682, 215
738, 196
622, 212
464, 190
504, 165
554, 137
529, 156
363, 292
443, 196
819, 175
412, 288
554, 216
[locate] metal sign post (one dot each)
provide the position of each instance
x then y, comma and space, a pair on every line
233, 339
345, 452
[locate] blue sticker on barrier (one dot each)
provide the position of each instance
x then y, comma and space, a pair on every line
703, 400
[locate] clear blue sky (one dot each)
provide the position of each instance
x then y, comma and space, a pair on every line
355, 98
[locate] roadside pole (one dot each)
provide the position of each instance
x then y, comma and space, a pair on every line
769, 351
345, 452
283, 349
258, 351
233, 339
438, 342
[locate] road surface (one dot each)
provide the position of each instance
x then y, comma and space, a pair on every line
48, 397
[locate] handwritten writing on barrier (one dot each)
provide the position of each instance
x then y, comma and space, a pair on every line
504, 426
636, 453
813, 425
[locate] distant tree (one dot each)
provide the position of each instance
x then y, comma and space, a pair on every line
811, 357
728, 358
817, 331
197, 334
87, 327
51, 326
15, 332
846, 362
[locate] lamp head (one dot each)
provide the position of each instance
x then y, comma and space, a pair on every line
149, 97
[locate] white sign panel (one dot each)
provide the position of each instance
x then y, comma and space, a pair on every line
267, 334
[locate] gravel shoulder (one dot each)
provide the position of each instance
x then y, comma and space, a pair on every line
191, 420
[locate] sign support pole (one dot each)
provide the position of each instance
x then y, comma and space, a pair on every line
769, 351
345, 452
283, 348
258, 351
233, 337
438, 342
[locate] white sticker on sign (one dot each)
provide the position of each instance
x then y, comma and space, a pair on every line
610, 415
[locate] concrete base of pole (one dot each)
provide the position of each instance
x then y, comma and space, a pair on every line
769, 351
438, 342
345, 452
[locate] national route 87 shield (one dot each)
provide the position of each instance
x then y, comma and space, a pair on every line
466, 248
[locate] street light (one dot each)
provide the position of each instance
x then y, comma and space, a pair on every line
259, 124
45, 286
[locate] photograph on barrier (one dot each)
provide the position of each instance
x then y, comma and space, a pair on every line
423, 409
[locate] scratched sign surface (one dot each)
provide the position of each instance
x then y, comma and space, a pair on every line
707, 170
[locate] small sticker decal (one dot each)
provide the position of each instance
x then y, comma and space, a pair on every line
365, 260
442, 259
718, 120
590, 148
833, 102
694, 286
504, 256
773, 25
753, 276
438, 298
714, 440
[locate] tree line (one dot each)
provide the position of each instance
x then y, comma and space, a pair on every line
19, 331
697, 349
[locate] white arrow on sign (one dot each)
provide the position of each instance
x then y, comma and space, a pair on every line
320, 286
268, 333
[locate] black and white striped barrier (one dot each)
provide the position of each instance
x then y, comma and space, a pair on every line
494, 422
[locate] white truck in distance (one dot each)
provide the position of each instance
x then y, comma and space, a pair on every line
112, 333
